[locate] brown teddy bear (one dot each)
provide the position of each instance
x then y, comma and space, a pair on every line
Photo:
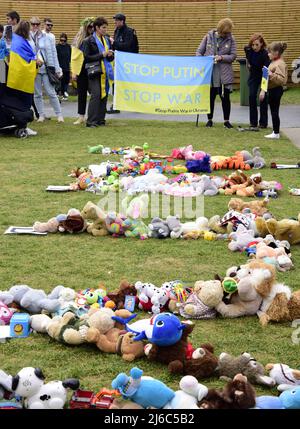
255, 282
92, 212
181, 358
256, 207
238, 394
281, 306
121, 343
118, 296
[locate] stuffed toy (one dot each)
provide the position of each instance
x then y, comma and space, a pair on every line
72, 223
145, 292
199, 165
145, 391
214, 224
35, 300
50, 226
119, 342
240, 238
182, 358
229, 366
202, 301
163, 329
285, 229
118, 296
5, 384
178, 294
159, 228
174, 225
40, 322
238, 394
135, 228
92, 212
159, 300
256, 207
200, 225
289, 400
273, 255
5, 314
281, 305
72, 330
235, 162
188, 153
255, 160
255, 283
6, 297
135, 208
29, 384
285, 377
208, 186
190, 394
115, 224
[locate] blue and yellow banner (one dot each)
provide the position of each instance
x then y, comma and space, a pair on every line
265, 79
162, 84
22, 65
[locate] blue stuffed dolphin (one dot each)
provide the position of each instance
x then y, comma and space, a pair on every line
164, 329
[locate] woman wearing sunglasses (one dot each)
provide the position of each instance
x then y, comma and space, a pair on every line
64, 58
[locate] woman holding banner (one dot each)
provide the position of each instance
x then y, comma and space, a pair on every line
220, 44
257, 58
98, 57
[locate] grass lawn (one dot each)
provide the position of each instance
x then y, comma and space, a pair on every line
81, 261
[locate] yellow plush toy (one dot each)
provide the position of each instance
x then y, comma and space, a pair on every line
285, 229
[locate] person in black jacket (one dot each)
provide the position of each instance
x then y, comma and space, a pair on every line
97, 48
257, 58
64, 58
124, 40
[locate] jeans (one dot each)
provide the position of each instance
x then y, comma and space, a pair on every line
41, 81
97, 105
254, 87
226, 106
275, 95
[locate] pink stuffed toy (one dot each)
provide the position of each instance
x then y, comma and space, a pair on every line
189, 154
5, 314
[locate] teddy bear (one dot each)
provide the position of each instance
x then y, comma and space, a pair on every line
240, 238
35, 300
282, 305
285, 229
182, 358
256, 207
50, 226
118, 341
276, 256
238, 394
159, 228
92, 212
73, 222
229, 366
118, 296
255, 282
202, 301
72, 330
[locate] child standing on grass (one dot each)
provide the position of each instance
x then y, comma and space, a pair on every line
278, 75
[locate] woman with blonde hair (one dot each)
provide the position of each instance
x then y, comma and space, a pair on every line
220, 44
78, 70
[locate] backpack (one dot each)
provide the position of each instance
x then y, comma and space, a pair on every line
135, 43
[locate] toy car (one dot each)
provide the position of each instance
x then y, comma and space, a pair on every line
86, 399
81, 399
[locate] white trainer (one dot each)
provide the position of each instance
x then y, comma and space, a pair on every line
60, 119
273, 136
41, 119
79, 121
31, 132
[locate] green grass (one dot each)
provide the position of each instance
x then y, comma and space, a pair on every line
81, 261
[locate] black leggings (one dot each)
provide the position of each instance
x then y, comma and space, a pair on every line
82, 89
275, 95
226, 106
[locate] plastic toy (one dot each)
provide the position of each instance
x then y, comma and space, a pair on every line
20, 325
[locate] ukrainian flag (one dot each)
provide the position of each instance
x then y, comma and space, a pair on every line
76, 60
22, 65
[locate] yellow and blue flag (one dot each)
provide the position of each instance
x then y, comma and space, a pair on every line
265, 79
22, 65
162, 84
76, 60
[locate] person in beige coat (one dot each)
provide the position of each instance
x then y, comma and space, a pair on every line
278, 75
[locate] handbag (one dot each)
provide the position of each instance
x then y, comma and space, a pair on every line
93, 69
53, 78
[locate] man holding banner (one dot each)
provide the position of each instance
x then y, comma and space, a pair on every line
162, 84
